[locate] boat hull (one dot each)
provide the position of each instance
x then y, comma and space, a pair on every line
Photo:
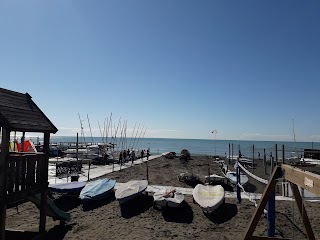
208, 197
97, 190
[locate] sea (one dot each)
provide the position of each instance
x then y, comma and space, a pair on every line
208, 147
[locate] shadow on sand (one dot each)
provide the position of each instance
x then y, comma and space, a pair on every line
58, 232
136, 206
182, 214
97, 204
67, 202
224, 213
193, 183
250, 187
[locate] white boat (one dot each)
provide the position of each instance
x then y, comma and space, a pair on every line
129, 190
208, 197
232, 177
168, 197
213, 178
310, 161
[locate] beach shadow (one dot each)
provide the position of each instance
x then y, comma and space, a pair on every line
250, 187
97, 204
26, 235
58, 232
227, 187
182, 214
136, 206
223, 214
193, 183
67, 202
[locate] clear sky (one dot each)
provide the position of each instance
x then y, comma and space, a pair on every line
179, 68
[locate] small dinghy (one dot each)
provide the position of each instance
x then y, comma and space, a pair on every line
97, 190
213, 178
188, 177
67, 188
129, 190
168, 198
208, 197
232, 177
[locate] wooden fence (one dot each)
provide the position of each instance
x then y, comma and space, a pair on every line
27, 175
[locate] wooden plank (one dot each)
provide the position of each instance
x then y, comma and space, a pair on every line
24, 173
18, 173
302, 211
4, 161
43, 214
30, 179
302, 178
262, 203
11, 175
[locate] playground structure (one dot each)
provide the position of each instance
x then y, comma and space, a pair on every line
23, 174
296, 178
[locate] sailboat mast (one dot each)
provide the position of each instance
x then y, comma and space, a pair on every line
90, 129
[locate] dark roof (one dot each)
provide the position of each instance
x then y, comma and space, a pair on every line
19, 113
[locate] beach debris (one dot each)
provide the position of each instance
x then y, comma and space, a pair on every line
170, 155
188, 177
185, 154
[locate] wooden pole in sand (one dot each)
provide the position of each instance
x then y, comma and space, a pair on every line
276, 153
238, 180
283, 154
271, 215
229, 154
4, 163
253, 158
232, 150
265, 161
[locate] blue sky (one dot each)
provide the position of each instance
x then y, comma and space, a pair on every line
179, 68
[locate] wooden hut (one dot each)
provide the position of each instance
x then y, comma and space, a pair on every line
22, 174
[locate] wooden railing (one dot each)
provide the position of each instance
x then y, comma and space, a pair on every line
27, 175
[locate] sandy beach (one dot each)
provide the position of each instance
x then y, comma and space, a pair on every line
139, 220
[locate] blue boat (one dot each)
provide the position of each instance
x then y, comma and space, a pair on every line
67, 188
97, 190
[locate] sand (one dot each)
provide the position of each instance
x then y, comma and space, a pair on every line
139, 220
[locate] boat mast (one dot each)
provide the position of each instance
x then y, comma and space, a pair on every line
82, 133
90, 129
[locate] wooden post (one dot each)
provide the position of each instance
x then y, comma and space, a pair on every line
77, 153
232, 149
229, 154
147, 172
276, 153
262, 203
253, 158
264, 161
238, 182
302, 211
22, 141
44, 192
283, 155
4, 165
271, 215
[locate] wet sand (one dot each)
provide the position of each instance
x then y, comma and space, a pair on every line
139, 220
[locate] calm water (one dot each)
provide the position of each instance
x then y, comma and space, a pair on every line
202, 146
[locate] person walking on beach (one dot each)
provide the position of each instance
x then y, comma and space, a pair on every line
142, 154
132, 156
120, 158
124, 157
148, 154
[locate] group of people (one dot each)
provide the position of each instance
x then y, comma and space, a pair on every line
127, 155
